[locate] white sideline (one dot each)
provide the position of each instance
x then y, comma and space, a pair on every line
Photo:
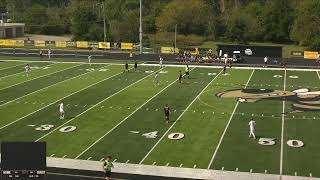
203, 90
282, 122
165, 171
62, 97
41, 88
95, 105
227, 126
179, 65
123, 120
32, 78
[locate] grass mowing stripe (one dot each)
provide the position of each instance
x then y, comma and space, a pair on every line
261, 101
110, 96
11, 70
30, 87
19, 78
62, 90
106, 116
124, 145
123, 121
225, 130
7, 64
155, 145
301, 123
202, 125
282, 121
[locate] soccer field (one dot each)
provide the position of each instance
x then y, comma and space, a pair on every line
111, 112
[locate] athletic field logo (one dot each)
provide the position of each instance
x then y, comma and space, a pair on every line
303, 99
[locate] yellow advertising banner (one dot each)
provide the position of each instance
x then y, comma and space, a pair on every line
311, 55
19, 43
2, 42
82, 44
126, 45
61, 44
10, 43
40, 43
169, 50
104, 45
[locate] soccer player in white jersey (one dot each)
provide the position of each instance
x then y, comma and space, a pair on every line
27, 69
160, 61
156, 79
252, 125
61, 110
89, 59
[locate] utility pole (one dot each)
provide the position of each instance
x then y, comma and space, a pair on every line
104, 22
140, 29
175, 38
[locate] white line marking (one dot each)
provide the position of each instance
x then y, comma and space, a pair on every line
194, 166
167, 164
251, 170
127, 161
203, 90
265, 171
42, 88
51, 155
101, 159
5, 68
59, 99
222, 169
225, 130
282, 123
310, 174
89, 158
115, 160
181, 165
153, 163
295, 173
237, 169
29, 79
124, 119
64, 156
123, 89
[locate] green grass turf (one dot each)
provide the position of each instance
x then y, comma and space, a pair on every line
237, 150
116, 108
12, 70
47, 96
199, 143
37, 70
201, 127
124, 145
27, 87
74, 105
306, 159
8, 64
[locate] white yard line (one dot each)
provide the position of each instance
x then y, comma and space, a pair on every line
318, 74
62, 97
12, 66
96, 105
203, 90
44, 87
282, 123
227, 126
123, 120
33, 78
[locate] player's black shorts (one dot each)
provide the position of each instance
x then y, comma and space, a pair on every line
108, 173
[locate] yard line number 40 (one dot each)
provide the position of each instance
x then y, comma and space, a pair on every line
272, 141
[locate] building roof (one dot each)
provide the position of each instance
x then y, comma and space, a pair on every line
11, 24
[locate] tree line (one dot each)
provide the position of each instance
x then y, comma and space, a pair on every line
240, 21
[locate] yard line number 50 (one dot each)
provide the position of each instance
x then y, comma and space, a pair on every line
272, 141
47, 127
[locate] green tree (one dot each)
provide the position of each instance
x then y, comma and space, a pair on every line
192, 17
306, 27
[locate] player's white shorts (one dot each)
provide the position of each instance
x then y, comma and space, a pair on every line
61, 111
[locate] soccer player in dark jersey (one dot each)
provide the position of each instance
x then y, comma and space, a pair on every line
126, 67
180, 77
224, 69
135, 65
167, 112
